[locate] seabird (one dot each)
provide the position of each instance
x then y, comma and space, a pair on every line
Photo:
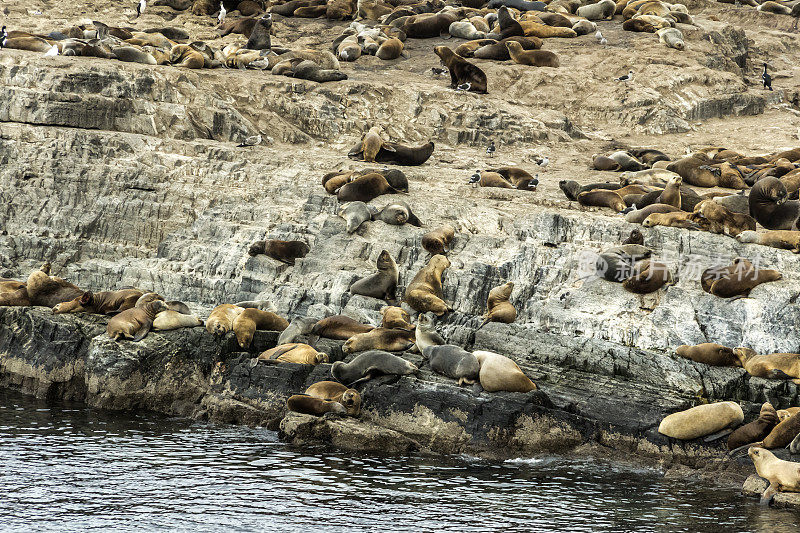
438, 71
3, 38
475, 178
464, 87
490, 150
628, 210
626, 78
766, 78
542, 162
253, 140
534, 183
603, 41
598, 35
140, 7
53, 51
222, 13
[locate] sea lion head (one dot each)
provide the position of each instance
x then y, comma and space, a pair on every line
743, 354
384, 260
157, 306
425, 321
348, 347
747, 236
439, 261
256, 248
336, 371
351, 399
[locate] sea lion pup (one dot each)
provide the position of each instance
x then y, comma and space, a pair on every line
169, 319
101, 303
309, 70
284, 251
602, 10
464, 29
393, 317
48, 291
397, 213
454, 362
391, 340
339, 327
770, 207
602, 198
709, 353
336, 392
134, 323
616, 264
369, 365
365, 188
383, 283
737, 280
769, 366
648, 276
467, 49
534, 58
671, 195
702, 421
783, 476
426, 334
493, 179
371, 144
355, 214
783, 239
679, 219
183, 55
390, 49
601, 162
308, 405
756, 430
220, 321
498, 308
635, 237
518, 177
572, 188
250, 320
424, 293
438, 241
297, 327
462, 72
720, 220
499, 373
672, 37
297, 353
627, 162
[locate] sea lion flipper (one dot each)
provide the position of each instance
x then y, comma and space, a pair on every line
388, 148
142, 333
279, 351
718, 435
766, 497
776, 373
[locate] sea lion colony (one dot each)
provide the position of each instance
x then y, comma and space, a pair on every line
653, 189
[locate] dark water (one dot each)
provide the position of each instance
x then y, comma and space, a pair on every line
69, 468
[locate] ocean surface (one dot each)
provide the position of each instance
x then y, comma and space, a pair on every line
65, 467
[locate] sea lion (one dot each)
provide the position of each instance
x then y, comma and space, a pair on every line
309, 70
521, 5
297, 353
133, 54
616, 264
601, 162
365, 188
635, 237
169, 319
220, 321
627, 162
638, 25
649, 156
390, 49
424, 293
770, 366
672, 37
134, 323
518, 177
464, 29
438, 241
371, 144
284, 251
602, 198
259, 38
499, 373
720, 220
680, 219
383, 283
393, 317
48, 291
671, 195
339, 327
572, 188
425, 333
391, 340
602, 10
737, 280
355, 214
101, 303
498, 308
250, 320
467, 49
784, 414
783, 239
498, 50
371, 364
493, 179
702, 420
774, 7
534, 58
756, 430
397, 213
308, 405
783, 476
735, 203
640, 215
183, 55
462, 71
336, 392
297, 327
709, 353
648, 276
399, 154
12, 285
783, 434
263, 305
428, 25
770, 207
27, 42
454, 362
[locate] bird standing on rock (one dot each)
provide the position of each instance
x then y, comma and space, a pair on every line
53, 51
438, 71
626, 78
490, 150
542, 162
140, 7
3, 38
766, 78
222, 13
475, 178
598, 35
533, 183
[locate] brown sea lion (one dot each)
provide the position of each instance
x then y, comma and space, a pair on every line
399, 154
43, 289
518, 177
783, 239
720, 220
393, 317
601, 162
336, 392
756, 430
390, 49
365, 188
250, 320
740, 281
498, 307
709, 353
493, 179
499, 373
170, 319
782, 434
602, 198
638, 25
259, 37
183, 55
671, 195
295, 352
371, 144
308, 405
534, 58
462, 71
424, 293
438, 241
284, 251
638, 216
467, 49
770, 207
101, 303
339, 327
333, 181
648, 276
383, 283
635, 237
390, 340
134, 323
499, 51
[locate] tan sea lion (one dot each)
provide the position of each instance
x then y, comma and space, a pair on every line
783, 414
720, 220
467, 49
438, 241
183, 55
134, 323
783, 239
336, 392
499, 373
284, 251
390, 340
740, 281
101, 303
339, 327
221, 319
679, 219
602, 198
295, 352
640, 215
250, 320
783, 476
169, 319
494, 179
390, 49
498, 308
701, 421
601, 162
383, 283
308, 405
534, 58
709, 353
671, 195
773, 365
393, 317
756, 430
371, 144
424, 293
499, 51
